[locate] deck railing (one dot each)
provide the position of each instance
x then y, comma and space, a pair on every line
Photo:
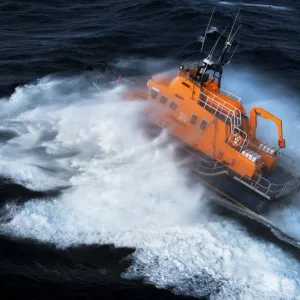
231, 95
220, 107
260, 184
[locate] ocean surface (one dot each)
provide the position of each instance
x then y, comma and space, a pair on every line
91, 207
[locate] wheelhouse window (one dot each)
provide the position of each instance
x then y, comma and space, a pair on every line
173, 105
193, 119
154, 94
203, 125
163, 100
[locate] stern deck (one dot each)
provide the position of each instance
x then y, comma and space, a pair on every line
270, 185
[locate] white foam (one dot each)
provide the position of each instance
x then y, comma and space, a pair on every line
212, 29
276, 7
226, 3
128, 190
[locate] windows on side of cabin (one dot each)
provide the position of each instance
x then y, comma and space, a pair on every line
163, 100
154, 93
193, 119
203, 125
173, 106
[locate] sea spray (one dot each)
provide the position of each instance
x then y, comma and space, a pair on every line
128, 190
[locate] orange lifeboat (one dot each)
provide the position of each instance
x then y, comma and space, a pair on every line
232, 163
219, 134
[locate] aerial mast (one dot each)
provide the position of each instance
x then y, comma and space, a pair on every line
229, 41
208, 62
206, 31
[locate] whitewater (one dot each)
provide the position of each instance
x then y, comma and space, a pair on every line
119, 186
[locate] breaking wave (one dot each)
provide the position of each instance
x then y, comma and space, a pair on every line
211, 30
127, 189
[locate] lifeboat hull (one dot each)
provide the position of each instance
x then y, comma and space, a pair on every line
225, 191
224, 184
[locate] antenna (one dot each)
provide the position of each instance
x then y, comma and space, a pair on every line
208, 64
216, 43
229, 37
233, 36
233, 53
207, 29
232, 39
207, 60
229, 40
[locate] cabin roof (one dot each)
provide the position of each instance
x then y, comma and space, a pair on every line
184, 87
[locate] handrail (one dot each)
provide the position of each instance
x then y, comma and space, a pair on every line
274, 189
231, 94
262, 184
237, 120
225, 103
233, 114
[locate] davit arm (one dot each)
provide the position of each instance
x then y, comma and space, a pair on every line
255, 112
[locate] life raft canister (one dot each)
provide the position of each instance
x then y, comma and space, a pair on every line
236, 140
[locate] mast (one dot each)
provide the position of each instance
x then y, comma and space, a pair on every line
207, 29
208, 63
217, 67
229, 41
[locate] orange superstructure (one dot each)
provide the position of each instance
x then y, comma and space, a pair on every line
210, 122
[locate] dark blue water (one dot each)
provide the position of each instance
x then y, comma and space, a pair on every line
39, 38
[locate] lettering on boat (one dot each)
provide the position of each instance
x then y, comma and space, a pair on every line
181, 119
